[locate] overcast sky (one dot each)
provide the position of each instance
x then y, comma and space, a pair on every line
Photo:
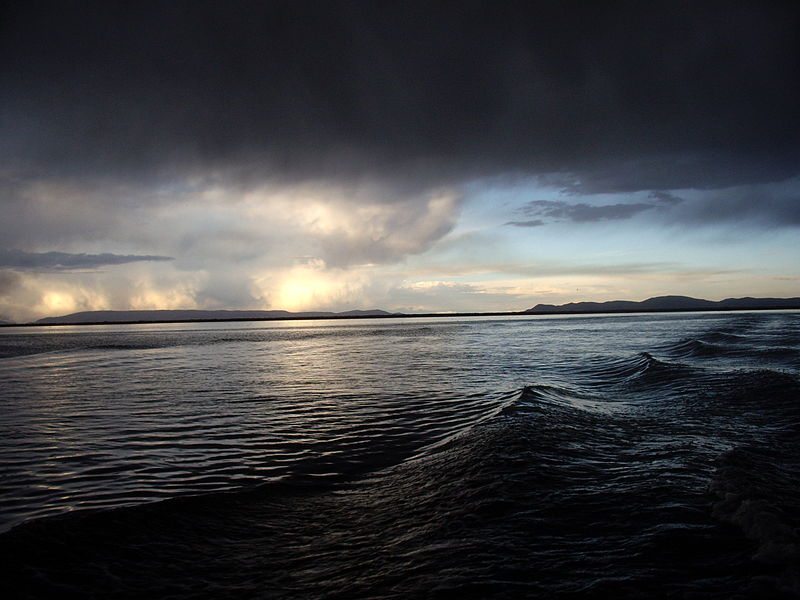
410, 156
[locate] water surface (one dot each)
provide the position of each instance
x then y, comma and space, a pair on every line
622, 455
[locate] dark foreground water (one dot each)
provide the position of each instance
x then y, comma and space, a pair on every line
636, 456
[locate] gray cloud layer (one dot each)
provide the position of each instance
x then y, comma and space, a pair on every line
578, 213
418, 91
63, 261
756, 206
748, 205
665, 197
530, 223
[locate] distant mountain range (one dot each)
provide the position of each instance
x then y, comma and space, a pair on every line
666, 303
149, 316
658, 304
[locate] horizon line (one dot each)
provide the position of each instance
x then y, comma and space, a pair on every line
525, 313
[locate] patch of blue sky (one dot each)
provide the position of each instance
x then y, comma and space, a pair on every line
678, 235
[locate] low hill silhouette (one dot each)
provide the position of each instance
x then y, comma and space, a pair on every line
666, 303
161, 316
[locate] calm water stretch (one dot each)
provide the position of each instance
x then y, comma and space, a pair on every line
596, 456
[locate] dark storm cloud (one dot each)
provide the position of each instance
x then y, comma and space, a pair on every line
579, 213
422, 92
702, 170
749, 205
63, 261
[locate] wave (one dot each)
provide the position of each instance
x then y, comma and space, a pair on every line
548, 394
761, 396
624, 380
725, 337
127, 338
151, 455
530, 498
604, 371
744, 351
755, 489
696, 348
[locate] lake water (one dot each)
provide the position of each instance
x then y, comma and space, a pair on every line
619, 456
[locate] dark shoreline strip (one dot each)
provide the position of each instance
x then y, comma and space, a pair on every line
415, 315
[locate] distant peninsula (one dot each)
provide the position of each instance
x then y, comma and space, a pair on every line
173, 316
665, 304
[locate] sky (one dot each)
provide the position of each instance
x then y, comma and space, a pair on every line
408, 156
